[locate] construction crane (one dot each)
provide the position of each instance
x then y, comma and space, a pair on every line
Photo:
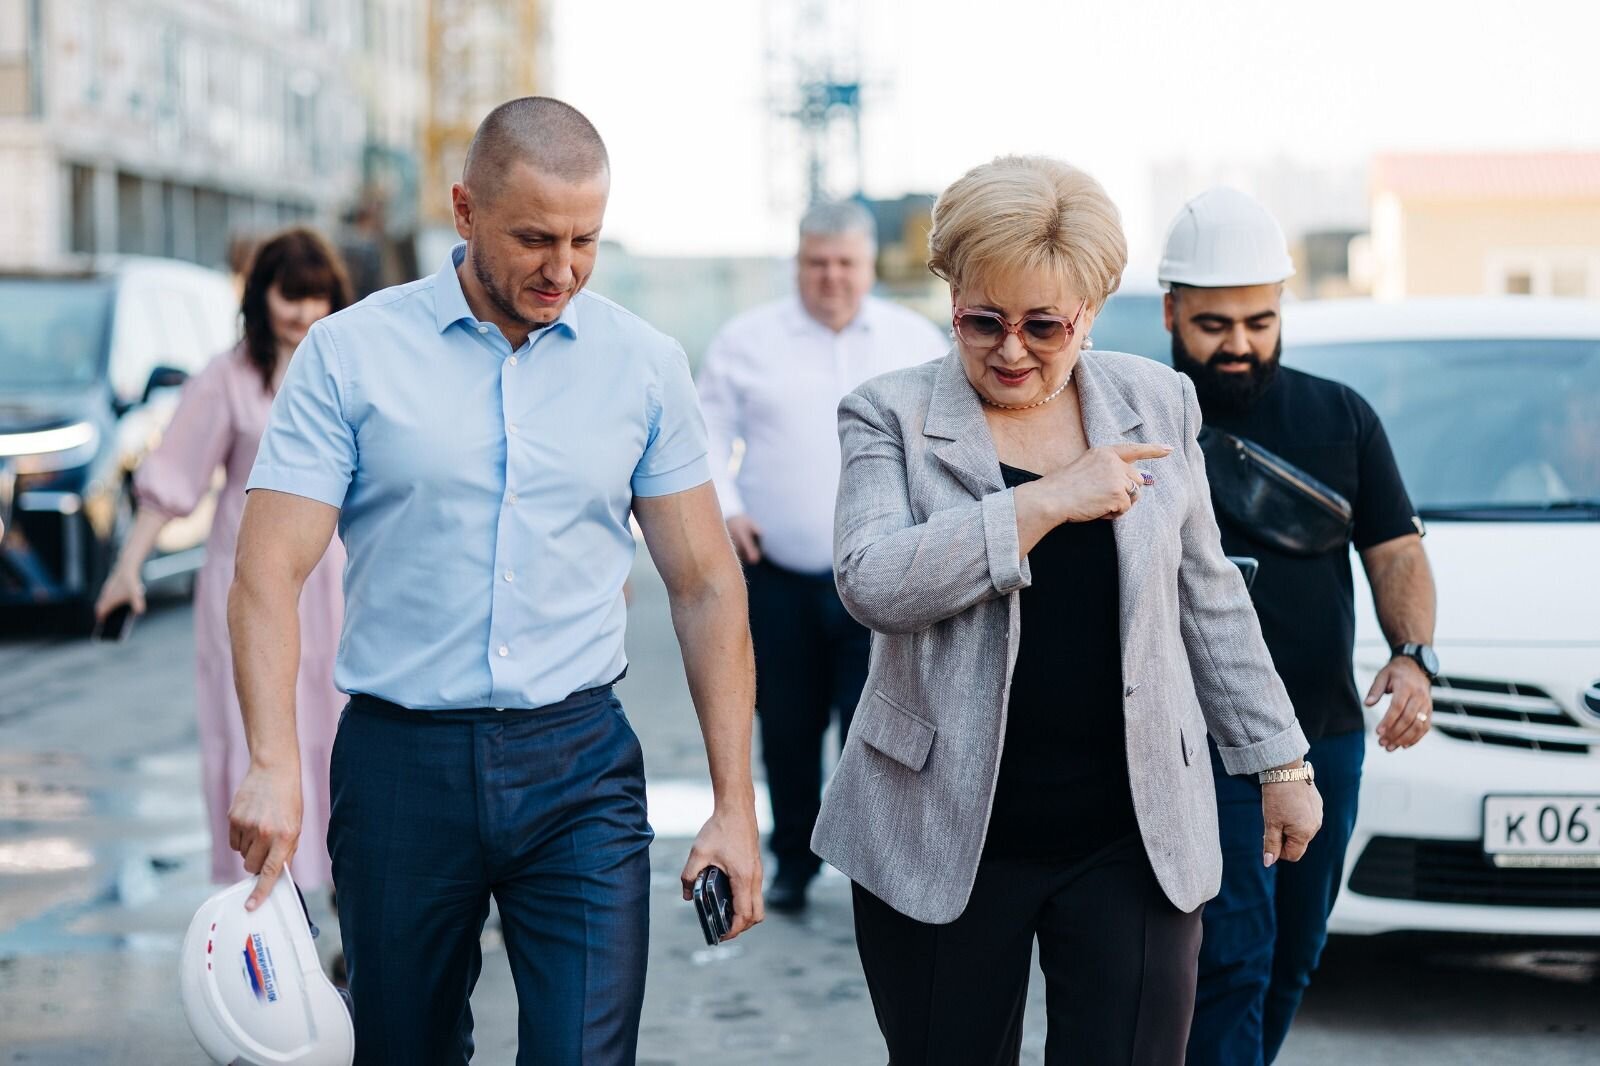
480, 54
814, 100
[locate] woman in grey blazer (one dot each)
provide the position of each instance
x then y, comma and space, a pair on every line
1026, 528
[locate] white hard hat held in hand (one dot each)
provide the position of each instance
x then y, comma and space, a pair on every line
1222, 239
252, 986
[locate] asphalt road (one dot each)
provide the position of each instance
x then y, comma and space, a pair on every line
102, 861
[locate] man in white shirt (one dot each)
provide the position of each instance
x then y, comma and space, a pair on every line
772, 380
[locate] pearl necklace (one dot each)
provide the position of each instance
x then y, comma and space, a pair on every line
1025, 406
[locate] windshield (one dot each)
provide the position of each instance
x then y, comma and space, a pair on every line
1492, 426
52, 332
1131, 322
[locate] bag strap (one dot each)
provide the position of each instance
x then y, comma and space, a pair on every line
1219, 446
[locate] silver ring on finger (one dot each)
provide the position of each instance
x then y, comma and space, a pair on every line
1133, 492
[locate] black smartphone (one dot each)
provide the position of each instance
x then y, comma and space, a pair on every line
116, 626
1247, 566
713, 902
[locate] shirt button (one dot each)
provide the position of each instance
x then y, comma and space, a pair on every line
504, 651
513, 360
511, 427
510, 576
483, 329
511, 498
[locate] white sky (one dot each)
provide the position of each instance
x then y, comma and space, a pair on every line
678, 89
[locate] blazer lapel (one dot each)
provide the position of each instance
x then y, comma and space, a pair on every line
955, 414
1108, 419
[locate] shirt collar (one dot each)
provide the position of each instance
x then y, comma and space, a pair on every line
800, 320
450, 303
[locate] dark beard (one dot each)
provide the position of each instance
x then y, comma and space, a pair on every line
499, 297
1227, 394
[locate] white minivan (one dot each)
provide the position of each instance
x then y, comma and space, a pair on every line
1492, 823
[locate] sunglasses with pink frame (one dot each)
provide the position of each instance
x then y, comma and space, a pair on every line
1037, 332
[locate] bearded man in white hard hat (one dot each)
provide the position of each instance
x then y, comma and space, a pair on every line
1300, 469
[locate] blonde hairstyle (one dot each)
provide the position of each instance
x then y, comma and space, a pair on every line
1029, 214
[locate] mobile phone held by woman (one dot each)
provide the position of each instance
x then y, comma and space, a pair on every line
713, 902
116, 627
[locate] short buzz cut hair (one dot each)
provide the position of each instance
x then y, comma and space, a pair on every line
834, 218
1031, 214
552, 137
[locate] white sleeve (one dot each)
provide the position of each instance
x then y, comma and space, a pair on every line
723, 408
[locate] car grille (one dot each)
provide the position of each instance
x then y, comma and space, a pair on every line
1507, 714
1456, 871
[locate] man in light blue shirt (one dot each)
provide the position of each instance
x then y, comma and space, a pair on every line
480, 439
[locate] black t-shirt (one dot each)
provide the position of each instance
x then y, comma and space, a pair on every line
1063, 788
1307, 604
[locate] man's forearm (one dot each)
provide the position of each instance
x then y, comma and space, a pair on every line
715, 638
1403, 594
264, 631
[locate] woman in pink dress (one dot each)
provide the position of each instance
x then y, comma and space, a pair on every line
294, 279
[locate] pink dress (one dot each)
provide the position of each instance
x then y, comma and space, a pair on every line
219, 423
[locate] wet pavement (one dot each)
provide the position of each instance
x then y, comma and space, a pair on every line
103, 860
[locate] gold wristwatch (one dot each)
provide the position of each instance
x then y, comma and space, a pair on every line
1276, 777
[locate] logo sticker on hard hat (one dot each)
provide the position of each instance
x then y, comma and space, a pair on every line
258, 969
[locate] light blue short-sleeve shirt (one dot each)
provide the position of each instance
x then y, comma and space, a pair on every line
484, 493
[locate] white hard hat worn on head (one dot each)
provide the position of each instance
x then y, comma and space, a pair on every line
252, 986
1223, 238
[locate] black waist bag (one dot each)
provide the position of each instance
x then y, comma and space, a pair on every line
1271, 499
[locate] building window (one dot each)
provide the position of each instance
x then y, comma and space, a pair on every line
80, 181
1518, 283
1569, 279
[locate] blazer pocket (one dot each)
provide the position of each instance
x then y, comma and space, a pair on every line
889, 728
1187, 746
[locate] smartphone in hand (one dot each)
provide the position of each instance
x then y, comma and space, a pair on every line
713, 902
115, 627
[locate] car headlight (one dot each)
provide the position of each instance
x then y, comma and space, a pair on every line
45, 451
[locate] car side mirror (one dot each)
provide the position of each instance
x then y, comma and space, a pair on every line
164, 377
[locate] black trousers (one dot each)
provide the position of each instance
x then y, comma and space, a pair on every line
1119, 965
811, 662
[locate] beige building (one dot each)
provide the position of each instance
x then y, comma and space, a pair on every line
1473, 224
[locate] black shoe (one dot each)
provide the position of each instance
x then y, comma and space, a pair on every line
787, 895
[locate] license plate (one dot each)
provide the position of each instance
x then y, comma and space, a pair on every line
1559, 830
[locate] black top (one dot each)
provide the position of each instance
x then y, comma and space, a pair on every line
1307, 604
1063, 788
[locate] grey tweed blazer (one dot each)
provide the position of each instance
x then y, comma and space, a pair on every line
926, 556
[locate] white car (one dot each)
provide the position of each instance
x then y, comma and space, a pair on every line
1492, 823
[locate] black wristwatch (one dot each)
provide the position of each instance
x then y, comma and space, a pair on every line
1424, 656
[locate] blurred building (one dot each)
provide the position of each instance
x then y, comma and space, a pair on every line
379, 232
1468, 224
903, 275
161, 127
1320, 209
689, 297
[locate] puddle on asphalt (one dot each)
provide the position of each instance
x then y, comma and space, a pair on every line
1567, 967
45, 855
26, 800
77, 839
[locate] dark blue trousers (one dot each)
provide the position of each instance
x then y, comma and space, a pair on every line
1265, 931
434, 813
